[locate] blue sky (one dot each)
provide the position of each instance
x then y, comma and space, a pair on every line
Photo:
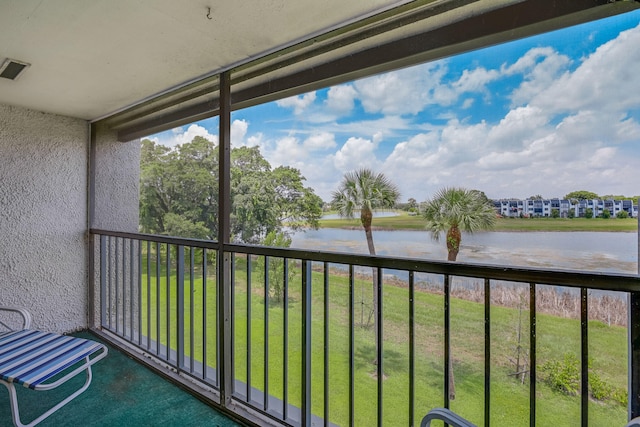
545, 115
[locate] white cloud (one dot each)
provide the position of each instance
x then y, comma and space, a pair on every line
182, 137
541, 68
406, 91
356, 153
518, 126
474, 80
340, 99
528, 61
238, 132
468, 103
419, 152
288, 151
298, 103
607, 80
385, 125
320, 141
497, 162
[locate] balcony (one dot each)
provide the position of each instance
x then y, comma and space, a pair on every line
182, 306
197, 312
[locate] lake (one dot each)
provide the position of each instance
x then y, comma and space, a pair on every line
583, 251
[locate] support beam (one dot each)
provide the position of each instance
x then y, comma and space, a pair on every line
224, 283
634, 340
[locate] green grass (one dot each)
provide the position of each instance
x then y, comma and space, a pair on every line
406, 222
565, 224
509, 398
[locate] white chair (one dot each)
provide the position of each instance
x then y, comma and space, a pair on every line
446, 415
633, 423
42, 361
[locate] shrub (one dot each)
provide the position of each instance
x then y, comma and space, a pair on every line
564, 376
622, 215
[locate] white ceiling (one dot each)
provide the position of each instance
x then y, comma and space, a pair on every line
92, 58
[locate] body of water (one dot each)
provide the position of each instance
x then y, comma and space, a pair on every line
582, 251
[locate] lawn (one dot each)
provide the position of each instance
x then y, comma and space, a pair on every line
403, 221
509, 398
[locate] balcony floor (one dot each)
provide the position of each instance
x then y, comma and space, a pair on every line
122, 392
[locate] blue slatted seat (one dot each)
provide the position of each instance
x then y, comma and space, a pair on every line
43, 361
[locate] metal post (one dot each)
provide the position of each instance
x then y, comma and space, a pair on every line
379, 354
91, 203
447, 342
533, 360
487, 352
584, 362
103, 281
180, 308
306, 344
224, 259
634, 354
634, 342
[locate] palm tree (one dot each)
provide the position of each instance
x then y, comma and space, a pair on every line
453, 210
363, 190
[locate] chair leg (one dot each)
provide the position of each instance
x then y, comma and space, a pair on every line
13, 398
15, 412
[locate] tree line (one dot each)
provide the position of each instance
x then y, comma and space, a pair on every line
179, 193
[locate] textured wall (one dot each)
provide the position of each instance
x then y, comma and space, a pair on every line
43, 199
117, 182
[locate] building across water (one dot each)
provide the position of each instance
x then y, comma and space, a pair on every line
564, 208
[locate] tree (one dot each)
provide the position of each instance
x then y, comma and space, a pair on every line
182, 181
365, 191
606, 214
453, 210
588, 213
581, 195
179, 193
274, 272
296, 205
555, 213
536, 197
413, 203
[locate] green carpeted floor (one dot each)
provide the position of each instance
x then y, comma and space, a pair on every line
122, 393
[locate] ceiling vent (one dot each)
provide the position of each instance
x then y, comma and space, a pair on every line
12, 69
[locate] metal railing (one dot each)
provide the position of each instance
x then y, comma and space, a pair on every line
317, 338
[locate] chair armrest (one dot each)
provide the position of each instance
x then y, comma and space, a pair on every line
26, 316
447, 416
633, 423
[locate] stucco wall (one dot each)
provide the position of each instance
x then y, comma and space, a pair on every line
43, 199
116, 167
117, 182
